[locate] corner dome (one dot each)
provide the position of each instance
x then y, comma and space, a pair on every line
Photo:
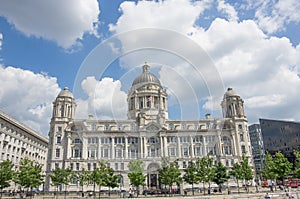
231, 93
65, 93
146, 77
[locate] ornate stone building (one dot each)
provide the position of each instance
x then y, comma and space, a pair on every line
147, 134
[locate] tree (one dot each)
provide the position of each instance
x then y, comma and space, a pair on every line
29, 175
111, 180
296, 172
190, 175
269, 167
282, 166
236, 172
6, 174
220, 174
135, 174
205, 171
246, 169
83, 177
61, 177
99, 175
169, 173
277, 167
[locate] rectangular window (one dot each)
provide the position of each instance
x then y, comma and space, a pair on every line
92, 153
185, 151
172, 151
71, 165
77, 141
148, 100
119, 140
119, 153
197, 151
59, 129
77, 166
58, 140
211, 150
89, 166
56, 165
133, 140
141, 103
184, 165
243, 149
105, 153
105, 140
95, 165
93, 140
241, 137
171, 139
57, 153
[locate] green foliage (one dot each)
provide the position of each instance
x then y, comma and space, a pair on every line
237, 173
61, 176
190, 175
296, 172
135, 174
6, 174
269, 168
220, 174
29, 174
99, 174
247, 173
136, 166
169, 173
83, 177
205, 170
282, 166
111, 180
277, 167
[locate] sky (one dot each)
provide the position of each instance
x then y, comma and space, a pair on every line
197, 49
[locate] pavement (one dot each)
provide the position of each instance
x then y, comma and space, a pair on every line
277, 194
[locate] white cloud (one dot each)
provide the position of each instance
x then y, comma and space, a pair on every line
262, 69
64, 22
160, 14
28, 97
273, 16
227, 9
105, 99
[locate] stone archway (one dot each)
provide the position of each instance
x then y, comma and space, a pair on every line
152, 176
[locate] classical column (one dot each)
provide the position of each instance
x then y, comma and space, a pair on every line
165, 146
112, 148
179, 147
219, 144
162, 152
204, 146
235, 150
145, 148
126, 148
68, 147
192, 147
84, 147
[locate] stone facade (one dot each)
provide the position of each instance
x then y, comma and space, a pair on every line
18, 141
147, 134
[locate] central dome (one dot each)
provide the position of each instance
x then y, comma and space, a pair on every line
146, 77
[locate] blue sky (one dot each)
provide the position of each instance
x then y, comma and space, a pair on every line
196, 48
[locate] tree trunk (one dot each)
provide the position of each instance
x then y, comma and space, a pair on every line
193, 189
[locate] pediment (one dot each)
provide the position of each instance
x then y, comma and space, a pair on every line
153, 127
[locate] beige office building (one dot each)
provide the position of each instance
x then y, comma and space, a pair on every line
18, 141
